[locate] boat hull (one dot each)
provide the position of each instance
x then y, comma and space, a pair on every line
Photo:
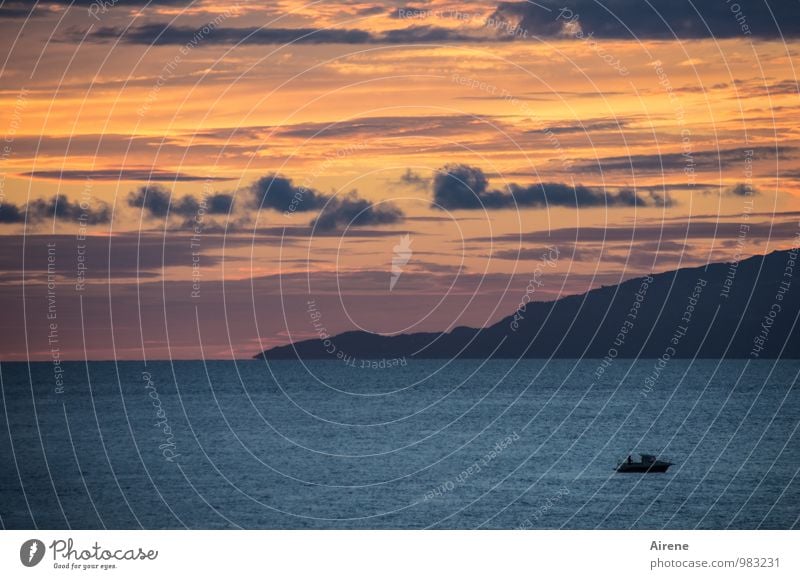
638, 467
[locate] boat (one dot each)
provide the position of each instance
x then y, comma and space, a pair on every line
648, 463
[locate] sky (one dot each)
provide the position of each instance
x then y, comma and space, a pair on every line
208, 179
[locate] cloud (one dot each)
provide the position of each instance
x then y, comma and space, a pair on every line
684, 230
587, 126
462, 187
415, 34
20, 9
353, 211
741, 190
281, 194
465, 187
62, 208
57, 207
545, 95
612, 19
128, 3
745, 88
10, 213
157, 202
404, 12
414, 180
161, 35
536, 253
644, 254
143, 174
371, 10
700, 160
219, 203
759, 87
154, 199
396, 126
363, 131
656, 19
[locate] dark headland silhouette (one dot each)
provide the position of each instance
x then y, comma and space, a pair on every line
747, 309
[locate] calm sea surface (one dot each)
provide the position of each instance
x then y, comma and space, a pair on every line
439, 444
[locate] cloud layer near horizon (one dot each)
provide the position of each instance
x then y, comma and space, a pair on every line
509, 21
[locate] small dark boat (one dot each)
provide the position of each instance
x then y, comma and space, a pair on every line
648, 463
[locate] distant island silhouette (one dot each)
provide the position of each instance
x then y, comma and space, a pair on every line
746, 309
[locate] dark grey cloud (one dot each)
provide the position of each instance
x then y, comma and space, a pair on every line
58, 208
465, 187
668, 230
187, 148
122, 255
157, 202
586, 126
302, 233
759, 87
10, 213
352, 211
741, 190
369, 127
61, 208
153, 199
751, 88
663, 245
119, 3
161, 35
545, 96
363, 128
657, 19
415, 34
615, 19
700, 160
536, 253
403, 12
19, 10
735, 216
643, 254
281, 194
219, 203
22, 9
119, 175
371, 10
414, 180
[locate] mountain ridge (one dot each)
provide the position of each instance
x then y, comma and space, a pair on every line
745, 309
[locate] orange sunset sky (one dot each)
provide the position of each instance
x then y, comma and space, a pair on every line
203, 170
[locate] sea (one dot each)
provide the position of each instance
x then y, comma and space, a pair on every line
399, 444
